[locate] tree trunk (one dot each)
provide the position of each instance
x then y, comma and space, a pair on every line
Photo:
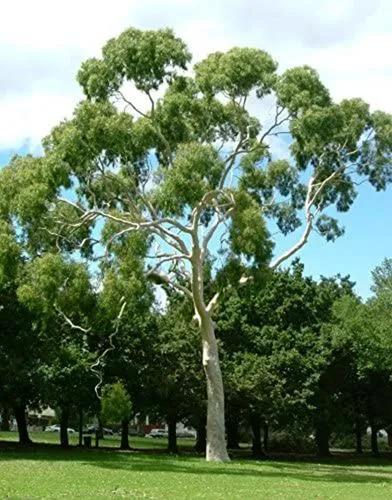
322, 440
64, 442
232, 433
216, 439
201, 435
265, 436
389, 433
257, 449
80, 427
374, 440
358, 438
5, 420
100, 428
125, 435
20, 416
172, 431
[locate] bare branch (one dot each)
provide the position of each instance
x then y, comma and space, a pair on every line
151, 101
69, 321
277, 123
231, 160
73, 204
322, 184
95, 365
131, 104
166, 279
218, 221
169, 258
209, 198
212, 303
305, 235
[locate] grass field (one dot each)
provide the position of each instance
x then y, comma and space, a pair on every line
49, 472
112, 442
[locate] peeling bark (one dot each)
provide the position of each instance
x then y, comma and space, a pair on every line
216, 439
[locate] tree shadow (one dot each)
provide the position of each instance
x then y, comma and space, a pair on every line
270, 470
338, 471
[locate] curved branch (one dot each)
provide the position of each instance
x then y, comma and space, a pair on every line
305, 235
166, 279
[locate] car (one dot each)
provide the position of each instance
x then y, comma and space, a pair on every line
157, 433
186, 433
56, 428
93, 428
52, 428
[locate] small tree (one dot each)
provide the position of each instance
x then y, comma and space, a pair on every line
188, 159
117, 408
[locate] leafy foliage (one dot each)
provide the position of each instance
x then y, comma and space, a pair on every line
116, 403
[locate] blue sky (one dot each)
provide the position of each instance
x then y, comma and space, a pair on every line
42, 44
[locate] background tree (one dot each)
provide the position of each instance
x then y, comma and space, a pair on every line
382, 278
59, 294
278, 320
175, 375
20, 380
361, 337
117, 408
129, 350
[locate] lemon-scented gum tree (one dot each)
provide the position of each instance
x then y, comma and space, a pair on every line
181, 156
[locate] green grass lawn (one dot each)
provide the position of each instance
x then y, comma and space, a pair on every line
108, 441
49, 472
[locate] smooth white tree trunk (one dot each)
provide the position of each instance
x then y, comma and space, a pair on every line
216, 439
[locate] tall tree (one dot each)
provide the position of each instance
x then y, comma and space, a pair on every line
188, 157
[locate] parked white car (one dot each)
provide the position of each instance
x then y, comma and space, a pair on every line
163, 433
56, 428
186, 433
157, 433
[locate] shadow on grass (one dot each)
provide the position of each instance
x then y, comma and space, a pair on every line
338, 471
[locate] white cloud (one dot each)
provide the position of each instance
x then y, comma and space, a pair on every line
42, 44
